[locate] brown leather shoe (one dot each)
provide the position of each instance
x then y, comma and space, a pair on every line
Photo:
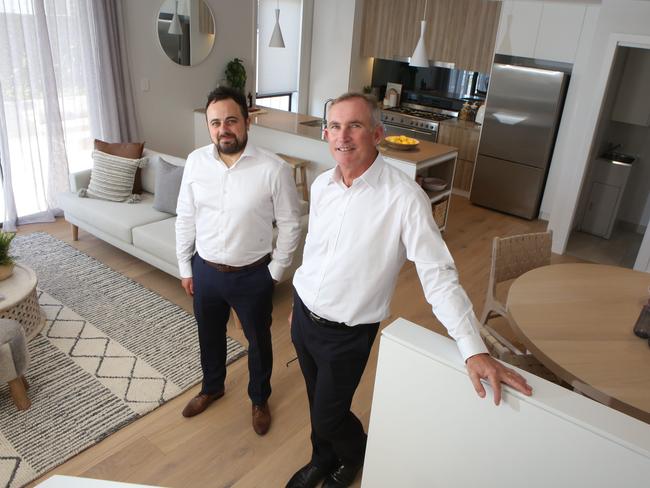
261, 418
199, 403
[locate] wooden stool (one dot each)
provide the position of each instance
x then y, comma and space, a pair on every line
14, 359
299, 173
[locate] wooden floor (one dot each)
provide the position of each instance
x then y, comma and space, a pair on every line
219, 448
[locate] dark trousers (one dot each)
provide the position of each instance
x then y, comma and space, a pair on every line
332, 360
250, 293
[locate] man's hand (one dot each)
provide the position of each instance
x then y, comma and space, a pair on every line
188, 285
484, 366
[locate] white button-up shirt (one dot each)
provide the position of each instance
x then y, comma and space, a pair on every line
357, 242
226, 214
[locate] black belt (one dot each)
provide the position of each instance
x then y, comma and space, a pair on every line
226, 268
317, 319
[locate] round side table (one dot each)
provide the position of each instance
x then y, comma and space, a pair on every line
20, 302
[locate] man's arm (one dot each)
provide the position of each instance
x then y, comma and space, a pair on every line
287, 218
185, 230
437, 272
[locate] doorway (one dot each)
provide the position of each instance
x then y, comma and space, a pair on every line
614, 206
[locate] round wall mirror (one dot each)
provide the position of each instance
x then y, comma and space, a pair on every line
186, 30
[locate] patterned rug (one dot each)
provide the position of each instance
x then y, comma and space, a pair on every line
110, 352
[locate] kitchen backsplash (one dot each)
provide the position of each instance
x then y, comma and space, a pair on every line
451, 83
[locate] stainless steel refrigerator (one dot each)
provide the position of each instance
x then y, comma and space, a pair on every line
523, 108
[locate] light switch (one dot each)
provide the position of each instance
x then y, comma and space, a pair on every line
144, 84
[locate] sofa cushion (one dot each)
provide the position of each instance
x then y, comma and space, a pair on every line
131, 150
168, 185
111, 177
158, 238
150, 169
114, 218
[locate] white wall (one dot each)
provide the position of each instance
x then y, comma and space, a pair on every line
165, 111
582, 108
336, 65
331, 48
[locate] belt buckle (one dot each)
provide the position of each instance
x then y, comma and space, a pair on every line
315, 317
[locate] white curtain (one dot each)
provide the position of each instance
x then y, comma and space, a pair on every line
55, 98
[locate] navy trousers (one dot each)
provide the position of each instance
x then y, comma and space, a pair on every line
332, 360
250, 293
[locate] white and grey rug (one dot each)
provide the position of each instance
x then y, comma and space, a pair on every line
110, 352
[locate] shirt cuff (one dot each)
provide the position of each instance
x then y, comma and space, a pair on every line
471, 345
276, 270
185, 269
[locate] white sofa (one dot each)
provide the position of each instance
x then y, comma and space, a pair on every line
138, 228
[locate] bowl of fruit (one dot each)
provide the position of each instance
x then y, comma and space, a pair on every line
402, 143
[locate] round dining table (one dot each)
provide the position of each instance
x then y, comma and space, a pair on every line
578, 320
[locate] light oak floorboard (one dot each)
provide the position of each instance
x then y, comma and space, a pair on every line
219, 448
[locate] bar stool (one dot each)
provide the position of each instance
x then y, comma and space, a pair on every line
14, 359
299, 173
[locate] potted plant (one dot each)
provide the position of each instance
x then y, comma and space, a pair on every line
6, 261
236, 74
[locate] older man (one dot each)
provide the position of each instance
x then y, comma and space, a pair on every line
231, 194
366, 218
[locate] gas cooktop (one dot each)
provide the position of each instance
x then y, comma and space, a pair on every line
424, 114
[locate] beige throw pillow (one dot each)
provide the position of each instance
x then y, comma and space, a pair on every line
112, 177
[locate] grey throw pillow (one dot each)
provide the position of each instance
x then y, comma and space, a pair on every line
168, 185
111, 177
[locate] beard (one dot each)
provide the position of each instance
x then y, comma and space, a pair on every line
232, 146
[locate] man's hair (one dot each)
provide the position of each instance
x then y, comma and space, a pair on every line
371, 102
225, 93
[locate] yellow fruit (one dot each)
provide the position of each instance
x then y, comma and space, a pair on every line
404, 140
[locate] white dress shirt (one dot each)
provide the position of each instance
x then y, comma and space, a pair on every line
357, 242
227, 214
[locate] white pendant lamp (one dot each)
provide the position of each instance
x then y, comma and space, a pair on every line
276, 37
175, 26
420, 58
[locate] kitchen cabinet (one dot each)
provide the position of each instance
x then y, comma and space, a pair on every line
632, 104
606, 186
542, 30
465, 136
462, 32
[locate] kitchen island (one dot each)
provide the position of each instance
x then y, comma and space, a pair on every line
301, 136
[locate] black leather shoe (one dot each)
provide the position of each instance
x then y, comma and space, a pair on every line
307, 477
342, 477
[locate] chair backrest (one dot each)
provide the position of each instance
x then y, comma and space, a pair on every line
513, 256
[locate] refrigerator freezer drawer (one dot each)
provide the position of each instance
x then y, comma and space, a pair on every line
506, 186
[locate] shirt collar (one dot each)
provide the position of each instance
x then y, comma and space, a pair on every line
370, 176
250, 151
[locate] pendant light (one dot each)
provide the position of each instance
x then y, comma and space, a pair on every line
276, 37
420, 58
175, 25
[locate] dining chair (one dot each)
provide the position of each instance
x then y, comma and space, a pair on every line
511, 257
514, 356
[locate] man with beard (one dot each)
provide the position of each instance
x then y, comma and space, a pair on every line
231, 194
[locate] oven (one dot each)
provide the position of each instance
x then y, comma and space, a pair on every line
392, 129
417, 121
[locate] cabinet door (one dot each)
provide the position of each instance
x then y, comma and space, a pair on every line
464, 138
458, 31
601, 207
390, 28
518, 28
559, 32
